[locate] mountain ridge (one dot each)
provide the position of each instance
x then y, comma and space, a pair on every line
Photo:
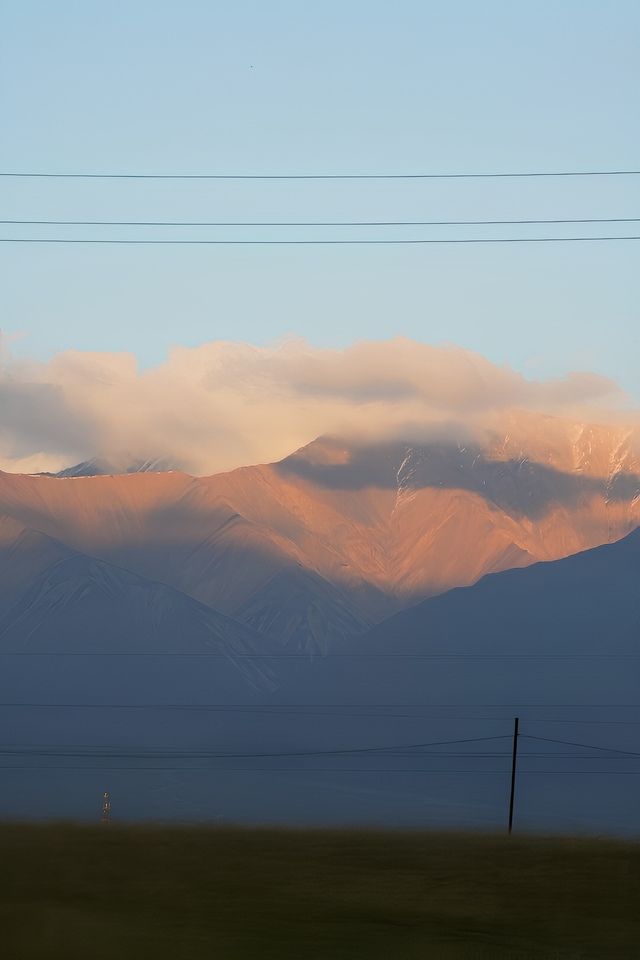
59, 601
560, 631
318, 547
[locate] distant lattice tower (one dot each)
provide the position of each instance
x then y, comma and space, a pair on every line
106, 808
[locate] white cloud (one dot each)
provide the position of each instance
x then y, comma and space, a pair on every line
220, 405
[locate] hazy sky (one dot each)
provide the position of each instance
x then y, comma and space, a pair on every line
349, 86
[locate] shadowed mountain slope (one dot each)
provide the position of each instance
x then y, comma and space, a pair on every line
566, 631
584, 603
56, 601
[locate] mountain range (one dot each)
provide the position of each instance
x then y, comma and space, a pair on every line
565, 631
318, 548
353, 595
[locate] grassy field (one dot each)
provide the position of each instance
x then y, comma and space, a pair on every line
136, 893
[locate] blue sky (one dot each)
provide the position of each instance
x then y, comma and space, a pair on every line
336, 87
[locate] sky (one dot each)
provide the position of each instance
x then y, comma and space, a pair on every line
336, 87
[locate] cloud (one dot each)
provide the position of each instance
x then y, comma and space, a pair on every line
221, 405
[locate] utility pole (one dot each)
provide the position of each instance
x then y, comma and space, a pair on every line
106, 808
514, 760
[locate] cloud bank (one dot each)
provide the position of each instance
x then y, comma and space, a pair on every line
222, 405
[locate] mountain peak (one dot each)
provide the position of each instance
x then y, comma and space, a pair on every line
100, 467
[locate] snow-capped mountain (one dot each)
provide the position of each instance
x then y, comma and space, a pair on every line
322, 545
99, 467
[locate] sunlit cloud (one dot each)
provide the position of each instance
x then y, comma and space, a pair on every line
221, 405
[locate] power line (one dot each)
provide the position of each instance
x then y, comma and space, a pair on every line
566, 720
322, 176
315, 770
216, 755
417, 706
240, 708
416, 750
79, 754
336, 711
586, 746
232, 655
131, 768
342, 706
313, 223
332, 242
385, 753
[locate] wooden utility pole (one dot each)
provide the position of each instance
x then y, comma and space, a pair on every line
514, 760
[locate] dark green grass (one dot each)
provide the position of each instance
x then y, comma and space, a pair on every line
136, 893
